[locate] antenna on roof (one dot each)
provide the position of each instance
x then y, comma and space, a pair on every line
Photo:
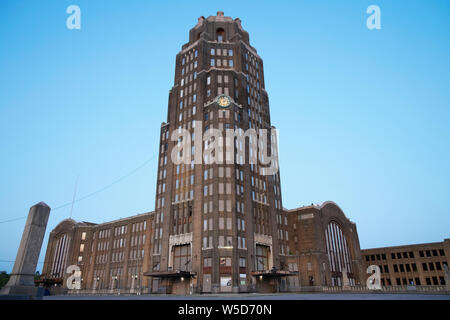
74, 194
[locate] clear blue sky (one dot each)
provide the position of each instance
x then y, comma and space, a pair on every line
373, 106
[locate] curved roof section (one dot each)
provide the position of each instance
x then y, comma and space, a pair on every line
322, 206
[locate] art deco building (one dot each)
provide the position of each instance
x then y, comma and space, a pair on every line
220, 224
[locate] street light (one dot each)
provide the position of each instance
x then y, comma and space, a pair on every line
97, 279
114, 278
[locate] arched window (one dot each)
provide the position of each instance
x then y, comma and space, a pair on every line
220, 33
60, 256
338, 254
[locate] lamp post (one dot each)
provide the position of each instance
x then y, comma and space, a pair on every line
133, 280
97, 279
114, 279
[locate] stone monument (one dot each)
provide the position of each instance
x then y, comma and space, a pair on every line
21, 281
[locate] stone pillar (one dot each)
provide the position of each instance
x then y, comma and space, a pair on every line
21, 281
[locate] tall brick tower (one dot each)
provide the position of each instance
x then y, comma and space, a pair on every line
218, 227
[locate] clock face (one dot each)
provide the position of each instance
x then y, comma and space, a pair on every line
223, 101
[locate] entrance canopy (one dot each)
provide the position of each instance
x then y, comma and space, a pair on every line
273, 273
49, 281
170, 274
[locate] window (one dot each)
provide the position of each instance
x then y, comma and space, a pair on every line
230, 63
207, 262
243, 279
182, 258
212, 63
83, 236
262, 258
220, 34
212, 51
225, 261
338, 251
230, 52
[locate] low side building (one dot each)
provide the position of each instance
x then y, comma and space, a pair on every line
417, 264
324, 246
110, 255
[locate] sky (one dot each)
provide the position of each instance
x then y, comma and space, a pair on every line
363, 115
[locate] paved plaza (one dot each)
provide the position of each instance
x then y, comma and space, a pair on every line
289, 296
